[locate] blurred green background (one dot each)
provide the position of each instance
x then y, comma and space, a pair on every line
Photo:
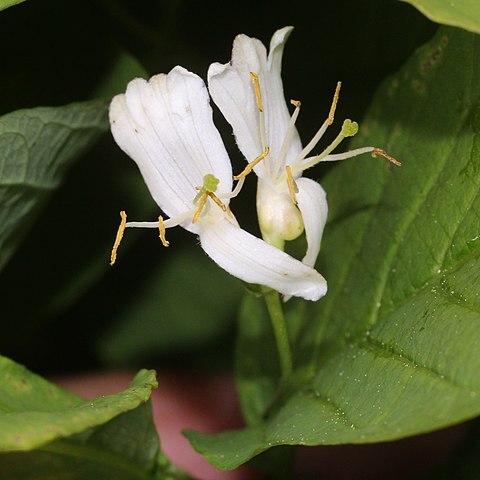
169, 308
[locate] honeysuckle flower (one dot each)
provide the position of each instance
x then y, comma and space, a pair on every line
165, 125
249, 92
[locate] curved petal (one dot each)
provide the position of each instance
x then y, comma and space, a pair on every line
166, 126
277, 115
276, 48
231, 89
255, 261
312, 203
236, 100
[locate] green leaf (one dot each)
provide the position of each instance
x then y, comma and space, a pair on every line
9, 3
34, 412
126, 447
110, 435
461, 13
36, 147
393, 349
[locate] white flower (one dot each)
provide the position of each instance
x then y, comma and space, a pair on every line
249, 92
166, 126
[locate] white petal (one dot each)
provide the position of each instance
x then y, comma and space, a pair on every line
236, 100
276, 47
255, 261
231, 89
312, 203
166, 126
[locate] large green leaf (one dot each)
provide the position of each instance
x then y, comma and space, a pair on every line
461, 13
36, 146
394, 348
111, 435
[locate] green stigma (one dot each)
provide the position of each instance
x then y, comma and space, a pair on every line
349, 128
210, 183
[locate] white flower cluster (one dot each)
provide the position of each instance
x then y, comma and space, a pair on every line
165, 125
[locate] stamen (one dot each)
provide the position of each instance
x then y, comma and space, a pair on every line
333, 107
161, 229
261, 116
236, 190
217, 201
383, 153
288, 136
292, 186
118, 238
296, 164
201, 204
169, 223
252, 164
258, 92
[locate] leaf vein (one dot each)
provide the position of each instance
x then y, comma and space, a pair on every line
388, 351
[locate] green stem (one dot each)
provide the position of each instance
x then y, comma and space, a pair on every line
275, 310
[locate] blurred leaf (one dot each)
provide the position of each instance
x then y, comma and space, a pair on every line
36, 147
72, 258
115, 433
9, 3
92, 264
393, 349
125, 68
187, 303
461, 13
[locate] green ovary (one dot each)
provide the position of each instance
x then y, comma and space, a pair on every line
278, 217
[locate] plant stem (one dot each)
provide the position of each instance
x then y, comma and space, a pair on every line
275, 310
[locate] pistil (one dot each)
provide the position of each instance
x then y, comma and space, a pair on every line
349, 129
321, 131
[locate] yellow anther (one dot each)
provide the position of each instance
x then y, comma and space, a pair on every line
296, 103
258, 92
210, 184
384, 154
292, 186
217, 201
201, 204
161, 229
252, 164
118, 238
333, 107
